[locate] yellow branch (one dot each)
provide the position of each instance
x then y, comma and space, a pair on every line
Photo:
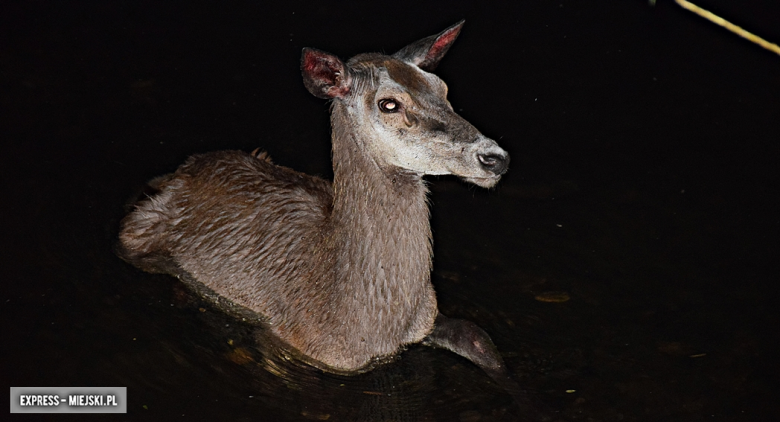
728, 25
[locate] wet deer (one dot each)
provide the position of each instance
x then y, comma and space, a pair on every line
340, 271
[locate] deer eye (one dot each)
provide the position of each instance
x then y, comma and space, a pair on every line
389, 105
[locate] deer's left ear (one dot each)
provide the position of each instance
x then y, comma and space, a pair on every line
324, 74
427, 52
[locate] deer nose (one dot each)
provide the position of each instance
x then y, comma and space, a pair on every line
496, 163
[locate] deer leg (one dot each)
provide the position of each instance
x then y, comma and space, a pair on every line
465, 339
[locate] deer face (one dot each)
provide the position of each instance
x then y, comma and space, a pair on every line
413, 127
402, 113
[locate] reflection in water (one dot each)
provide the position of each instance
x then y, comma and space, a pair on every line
411, 387
651, 203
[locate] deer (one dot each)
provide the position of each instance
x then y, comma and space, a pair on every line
339, 272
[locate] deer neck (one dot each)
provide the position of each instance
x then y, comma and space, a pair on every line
380, 231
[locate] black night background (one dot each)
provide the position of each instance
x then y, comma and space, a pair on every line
643, 186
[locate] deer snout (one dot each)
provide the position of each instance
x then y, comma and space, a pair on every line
494, 162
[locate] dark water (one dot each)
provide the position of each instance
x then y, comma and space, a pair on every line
644, 185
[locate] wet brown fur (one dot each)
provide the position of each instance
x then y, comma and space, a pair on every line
339, 271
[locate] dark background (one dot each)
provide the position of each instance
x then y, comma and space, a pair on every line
644, 185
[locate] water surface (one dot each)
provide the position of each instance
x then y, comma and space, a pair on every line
643, 187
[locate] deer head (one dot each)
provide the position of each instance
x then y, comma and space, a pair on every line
400, 113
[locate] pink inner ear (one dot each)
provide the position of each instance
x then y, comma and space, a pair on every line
320, 67
325, 74
442, 43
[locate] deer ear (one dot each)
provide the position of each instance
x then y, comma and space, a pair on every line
427, 52
324, 75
